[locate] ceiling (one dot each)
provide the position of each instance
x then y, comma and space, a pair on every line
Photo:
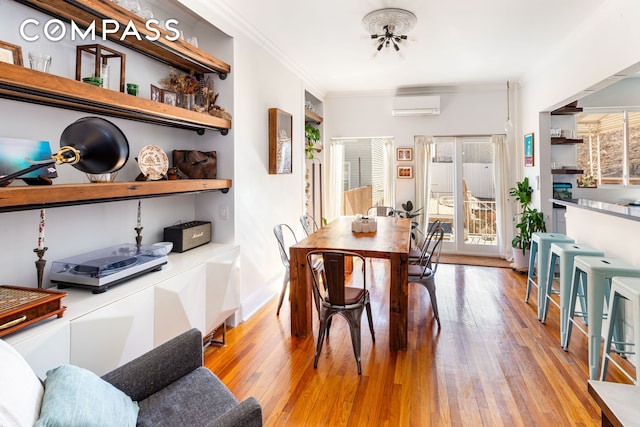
458, 43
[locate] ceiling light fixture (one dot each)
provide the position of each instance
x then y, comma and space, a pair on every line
389, 27
508, 125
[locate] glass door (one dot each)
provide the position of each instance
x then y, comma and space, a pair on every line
463, 194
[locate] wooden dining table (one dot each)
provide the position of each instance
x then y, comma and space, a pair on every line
391, 241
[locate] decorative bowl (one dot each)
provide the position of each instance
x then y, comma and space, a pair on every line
102, 177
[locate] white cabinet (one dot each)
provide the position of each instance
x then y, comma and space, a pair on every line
99, 332
223, 288
45, 349
113, 335
179, 305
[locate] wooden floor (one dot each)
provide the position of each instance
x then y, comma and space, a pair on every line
492, 363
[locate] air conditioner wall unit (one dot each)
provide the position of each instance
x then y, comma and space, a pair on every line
411, 105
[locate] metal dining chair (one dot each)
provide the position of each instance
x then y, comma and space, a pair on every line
309, 224
379, 211
279, 231
425, 274
336, 298
421, 255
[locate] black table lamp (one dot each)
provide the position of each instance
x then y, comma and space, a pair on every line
90, 144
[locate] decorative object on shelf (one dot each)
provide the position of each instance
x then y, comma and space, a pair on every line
405, 172
40, 263
102, 177
312, 136
23, 154
101, 56
169, 97
156, 93
132, 89
587, 181
10, 53
153, 162
94, 81
528, 150
388, 27
364, 224
194, 164
39, 61
528, 222
139, 236
186, 86
280, 141
21, 307
404, 154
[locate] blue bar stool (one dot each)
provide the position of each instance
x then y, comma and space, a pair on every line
540, 245
564, 254
598, 271
622, 288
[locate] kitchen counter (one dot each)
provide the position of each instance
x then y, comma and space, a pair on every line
626, 211
610, 227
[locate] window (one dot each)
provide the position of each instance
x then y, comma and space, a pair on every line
611, 148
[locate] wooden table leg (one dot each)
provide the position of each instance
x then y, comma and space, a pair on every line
399, 306
300, 293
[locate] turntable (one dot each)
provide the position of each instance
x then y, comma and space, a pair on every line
100, 269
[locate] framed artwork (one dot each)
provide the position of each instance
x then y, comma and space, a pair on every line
280, 141
156, 93
169, 97
10, 53
404, 154
405, 172
528, 149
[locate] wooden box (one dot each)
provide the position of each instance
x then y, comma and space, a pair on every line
20, 307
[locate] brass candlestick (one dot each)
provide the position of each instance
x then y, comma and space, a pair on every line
139, 235
40, 263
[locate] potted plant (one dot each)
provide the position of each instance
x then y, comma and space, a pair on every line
407, 212
528, 221
312, 136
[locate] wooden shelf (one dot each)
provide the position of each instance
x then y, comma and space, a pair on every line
569, 109
567, 171
178, 53
310, 116
565, 141
28, 85
20, 198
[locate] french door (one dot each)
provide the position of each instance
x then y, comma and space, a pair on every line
463, 194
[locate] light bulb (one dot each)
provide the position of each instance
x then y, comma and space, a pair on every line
508, 125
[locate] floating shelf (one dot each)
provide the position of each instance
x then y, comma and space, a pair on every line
565, 141
20, 198
178, 53
24, 84
567, 171
567, 110
310, 116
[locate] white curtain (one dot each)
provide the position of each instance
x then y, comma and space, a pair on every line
423, 148
334, 199
389, 174
505, 210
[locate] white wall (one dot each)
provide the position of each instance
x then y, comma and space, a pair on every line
464, 111
607, 44
261, 200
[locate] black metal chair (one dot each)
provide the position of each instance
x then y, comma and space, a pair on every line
425, 274
336, 298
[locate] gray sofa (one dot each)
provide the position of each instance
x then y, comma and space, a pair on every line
173, 388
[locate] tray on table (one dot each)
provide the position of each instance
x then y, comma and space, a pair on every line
21, 307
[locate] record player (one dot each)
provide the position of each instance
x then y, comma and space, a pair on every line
102, 268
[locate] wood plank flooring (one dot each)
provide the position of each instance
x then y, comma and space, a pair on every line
491, 364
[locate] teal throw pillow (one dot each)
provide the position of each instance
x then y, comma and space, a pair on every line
74, 396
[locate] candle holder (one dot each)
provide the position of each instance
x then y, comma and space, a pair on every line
139, 235
40, 263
